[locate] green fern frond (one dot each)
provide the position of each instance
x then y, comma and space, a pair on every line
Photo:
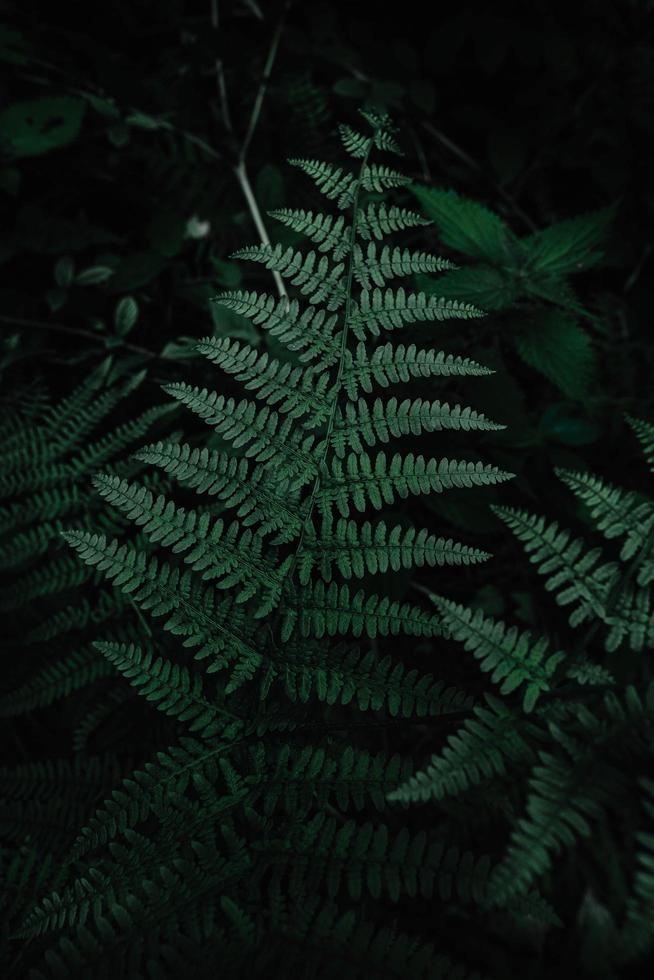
511, 657
379, 481
577, 575
272, 504
390, 364
376, 310
172, 688
375, 269
54, 681
332, 610
296, 391
379, 220
366, 859
355, 550
218, 551
644, 432
478, 751
617, 513
328, 232
314, 277
311, 332
364, 424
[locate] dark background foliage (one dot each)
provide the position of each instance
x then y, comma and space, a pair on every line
118, 232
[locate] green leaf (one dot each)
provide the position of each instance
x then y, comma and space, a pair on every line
64, 271
482, 285
558, 423
32, 128
555, 344
94, 275
126, 315
465, 225
569, 246
136, 270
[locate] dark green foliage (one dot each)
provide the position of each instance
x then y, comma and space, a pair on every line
586, 755
296, 576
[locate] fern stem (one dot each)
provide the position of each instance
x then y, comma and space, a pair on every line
341, 364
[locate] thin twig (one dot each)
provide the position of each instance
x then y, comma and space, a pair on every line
20, 321
263, 85
475, 165
246, 187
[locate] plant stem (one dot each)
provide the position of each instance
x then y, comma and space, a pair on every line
244, 183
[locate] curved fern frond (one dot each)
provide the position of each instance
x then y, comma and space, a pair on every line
296, 391
173, 689
511, 657
479, 750
617, 513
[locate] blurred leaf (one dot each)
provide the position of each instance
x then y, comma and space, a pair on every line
181, 349
94, 275
32, 128
64, 270
269, 188
227, 274
56, 298
14, 47
229, 324
142, 121
557, 422
125, 315
166, 231
136, 270
554, 343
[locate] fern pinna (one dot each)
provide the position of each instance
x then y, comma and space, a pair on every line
572, 764
236, 846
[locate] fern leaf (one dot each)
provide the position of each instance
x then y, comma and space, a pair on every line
380, 481
218, 551
312, 333
328, 611
314, 277
382, 421
617, 513
389, 364
379, 220
259, 498
390, 310
329, 233
172, 688
508, 655
479, 750
356, 550
296, 392
375, 269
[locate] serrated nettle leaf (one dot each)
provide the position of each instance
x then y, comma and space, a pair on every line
465, 225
